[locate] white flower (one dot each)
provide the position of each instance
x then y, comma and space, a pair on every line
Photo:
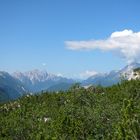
46, 119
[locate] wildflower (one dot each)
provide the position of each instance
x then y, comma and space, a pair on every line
46, 119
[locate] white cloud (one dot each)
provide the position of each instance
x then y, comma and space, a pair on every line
87, 74
126, 43
44, 64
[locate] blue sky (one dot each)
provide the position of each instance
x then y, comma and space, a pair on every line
33, 34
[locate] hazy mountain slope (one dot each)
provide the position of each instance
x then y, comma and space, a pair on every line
60, 86
40, 80
10, 88
112, 77
3, 96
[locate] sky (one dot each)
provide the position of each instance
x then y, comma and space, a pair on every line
73, 38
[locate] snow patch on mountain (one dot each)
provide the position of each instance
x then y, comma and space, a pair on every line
113, 77
38, 80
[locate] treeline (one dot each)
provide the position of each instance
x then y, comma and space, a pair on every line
111, 113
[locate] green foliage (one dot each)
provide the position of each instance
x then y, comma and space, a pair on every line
128, 127
93, 113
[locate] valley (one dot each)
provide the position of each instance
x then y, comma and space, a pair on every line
15, 85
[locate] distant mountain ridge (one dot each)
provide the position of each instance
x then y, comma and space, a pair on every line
113, 77
37, 80
17, 84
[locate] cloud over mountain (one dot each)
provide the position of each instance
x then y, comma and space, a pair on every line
87, 74
125, 43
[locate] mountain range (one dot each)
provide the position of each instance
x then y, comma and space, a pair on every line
37, 80
17, 84
113, 77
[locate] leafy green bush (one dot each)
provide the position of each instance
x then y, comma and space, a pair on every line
93, 113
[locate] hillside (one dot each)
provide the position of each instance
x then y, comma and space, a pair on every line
10, 88
92, 113
60, 86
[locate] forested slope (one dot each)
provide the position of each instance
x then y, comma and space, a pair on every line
93, 113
